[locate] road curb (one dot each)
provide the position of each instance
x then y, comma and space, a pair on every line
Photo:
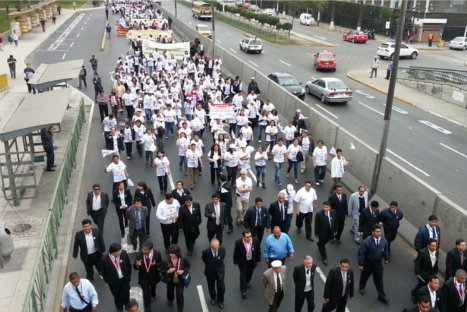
103, 42
317, 41
349, 75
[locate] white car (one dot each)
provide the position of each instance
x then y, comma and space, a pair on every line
386, 50
458, 43
269, 11
251, 44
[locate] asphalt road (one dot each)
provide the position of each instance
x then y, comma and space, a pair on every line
430, 147
84, 40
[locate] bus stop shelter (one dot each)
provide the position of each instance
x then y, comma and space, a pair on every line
19, 154
48, 76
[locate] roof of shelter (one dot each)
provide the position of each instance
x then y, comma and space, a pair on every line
52, 74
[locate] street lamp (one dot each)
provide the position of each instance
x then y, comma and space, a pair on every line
175, 8
213, 31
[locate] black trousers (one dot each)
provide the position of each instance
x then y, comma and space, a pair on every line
88, 308
339, 305
232, 174
162, 183
300, 300
103, 110
149, 291
322, 248
228, 215
308, 217
245, 275
278, 296
92, 260
258, 232
98, 217
130, 111
217, 232
190, 239
215, 172
121, 292
83, 80
216, 287
129, 148
50, 154
122, 219
170, 234
377, 271
138, 235
176, 290
340, 224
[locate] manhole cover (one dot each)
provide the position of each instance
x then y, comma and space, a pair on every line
22, 227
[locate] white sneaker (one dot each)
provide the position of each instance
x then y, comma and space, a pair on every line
317, 183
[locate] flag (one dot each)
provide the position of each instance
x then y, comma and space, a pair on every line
352, 147
107, 152
332, 151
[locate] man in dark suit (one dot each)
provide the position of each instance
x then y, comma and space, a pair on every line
214, 270
453, 293
431, 291
339, 287
97, 203
147, 263
422, 306
372, 252
116, 272
338, 202
304, 280
456, 259
225, 193
426, 264
257, 219
215, 212
180, 192
90, 243
136, 216
369, 217
189, 219
429, 231
247, 253
278, 212
325, 228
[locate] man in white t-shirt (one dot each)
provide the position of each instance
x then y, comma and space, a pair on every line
320, 156
193, 161
119, 172
305, 202
244, 187
279, 151
167, 213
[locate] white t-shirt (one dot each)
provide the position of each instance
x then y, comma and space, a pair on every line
231, 159
162, 166
260, 159
240, 183
292, 152
192, 158
305, 199
183, 145
167, 213
320, 155
279, 153
118, 171
245, 164
289, 132
149, 140
109, 123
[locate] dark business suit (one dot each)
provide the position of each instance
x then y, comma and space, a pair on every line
214, 270
148, 275
424, 268
94, 259
425, 292
175, 290
225, 193
334, 291
121, 212
257, 225
299, 278
453, 262
180, 197
423, 237
278, 217
341, 208
213, 228
450, 299
245, 265
147, 199
137, 234
98, 216
417, 309
325, 230
189, 222
368, 218
119, 287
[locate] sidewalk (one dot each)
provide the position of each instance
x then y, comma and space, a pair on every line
431, 104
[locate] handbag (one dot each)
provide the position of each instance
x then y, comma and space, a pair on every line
300, 156
186, 279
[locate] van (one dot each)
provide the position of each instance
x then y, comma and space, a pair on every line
201, 10
307, 19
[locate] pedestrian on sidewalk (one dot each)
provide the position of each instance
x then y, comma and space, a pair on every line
28, 73
374, 67
54, 19
59, 9
74, 6
430, 39
93, 62
82, 77
389, 70
108, 29
43, 24
6, 246
12, 65
106, 13
47, 139
14, 37
1, 43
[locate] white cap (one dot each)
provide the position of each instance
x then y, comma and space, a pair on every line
298, 110
232, 146
276, 264
290, 188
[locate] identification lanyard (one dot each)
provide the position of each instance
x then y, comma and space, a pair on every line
116, 264
147, 262
248, 250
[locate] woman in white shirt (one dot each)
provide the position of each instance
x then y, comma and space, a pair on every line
241, 119
149, 141
244, 155
138, 116
139, 130
215, 159
307, 146
183, 144
162, 165
263, 121
116, 141
289, 133
247, 132
320, 156
271, 134
231, 164
193, 161
261, 158
128, 139
292, 152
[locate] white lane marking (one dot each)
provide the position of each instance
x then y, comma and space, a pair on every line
218, 41
63, 56
253, 176
287, 64
448, 119
397, 109
233, 50
253, 63
436, 127
190, 23
322, 108
323, 278
71, 44
204, 305
455, 151
320, 37
229, 34
409, 163
82, 28
371, 108
85, 22
54, 46
368, 96
171, 181
77, 35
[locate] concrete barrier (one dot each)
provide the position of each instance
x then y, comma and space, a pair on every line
444, 92
452, 220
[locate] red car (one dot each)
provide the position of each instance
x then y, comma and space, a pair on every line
325, 60
355, 36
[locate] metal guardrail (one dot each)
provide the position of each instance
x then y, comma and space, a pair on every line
48, 249
453, 78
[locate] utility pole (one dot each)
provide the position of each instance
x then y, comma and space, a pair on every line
389, 100
175, 8
213, 31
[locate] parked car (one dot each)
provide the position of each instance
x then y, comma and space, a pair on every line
269, 11
289, 82
329, 89
254, 7
325, 60
355, 36
458, 43
386, 50
251, 44
307, 19
204, 30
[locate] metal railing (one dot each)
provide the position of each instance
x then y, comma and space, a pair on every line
48, 249
436, 76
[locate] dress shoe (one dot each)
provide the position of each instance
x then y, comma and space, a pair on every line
299, 230
190, 252
384, 300
361, 291
244, 295
339, 241
333, 241
229, 231
248, 285
170, 303
325, 262
221, 305
50, 170
310, 239
213, 301
263, 186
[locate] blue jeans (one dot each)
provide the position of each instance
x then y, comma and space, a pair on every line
293, 164
260, 174
277, 174
261, 132
182, 164
169, 127
148, 114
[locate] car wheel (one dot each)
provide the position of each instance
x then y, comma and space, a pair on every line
414, 55
307, 90
323, 99
464, 48
334, 70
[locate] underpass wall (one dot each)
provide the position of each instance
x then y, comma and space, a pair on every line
444, 92
452, 220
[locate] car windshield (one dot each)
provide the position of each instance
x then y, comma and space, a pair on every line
203, 28
255, 42
288, 81
336, 85
384, 45
459, 39
326, 57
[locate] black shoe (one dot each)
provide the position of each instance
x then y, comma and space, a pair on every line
310, 239
244, 295
230, 231
362, 291
257, 184
53, 166
299, 230
170, 303
213, 301
263, 186
339, 241
50, 170
190, 252
333, 241
221, 305
325, 262
384, 300
248, 285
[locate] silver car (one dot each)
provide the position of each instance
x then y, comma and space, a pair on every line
329, 90
458, 43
